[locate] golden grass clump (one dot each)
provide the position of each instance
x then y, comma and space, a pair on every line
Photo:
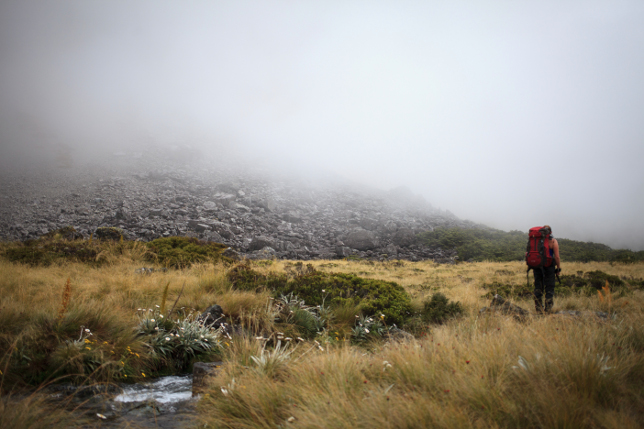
67, 295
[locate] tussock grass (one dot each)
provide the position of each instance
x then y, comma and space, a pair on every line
479, 370
33, 412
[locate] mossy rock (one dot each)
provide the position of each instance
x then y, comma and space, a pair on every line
181, 252
66, 233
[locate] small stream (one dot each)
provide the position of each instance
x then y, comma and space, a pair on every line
166, 402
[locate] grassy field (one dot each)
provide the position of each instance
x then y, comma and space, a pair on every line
472, 370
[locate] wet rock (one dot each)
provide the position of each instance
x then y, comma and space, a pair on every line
213, 316
200, 372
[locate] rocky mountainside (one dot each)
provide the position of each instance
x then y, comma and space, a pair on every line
260, 215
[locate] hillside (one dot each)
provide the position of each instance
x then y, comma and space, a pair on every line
485, 244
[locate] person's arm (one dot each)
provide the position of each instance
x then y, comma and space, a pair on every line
555, 247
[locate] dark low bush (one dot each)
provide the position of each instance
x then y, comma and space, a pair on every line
49, 250
439, 309
508, 291
181, 252
243, 277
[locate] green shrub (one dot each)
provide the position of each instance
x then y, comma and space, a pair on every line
509, 291
335, 289
243, 277
439, 309
598, 279
49, 250
181, 252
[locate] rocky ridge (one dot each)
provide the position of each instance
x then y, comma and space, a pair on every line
257, 215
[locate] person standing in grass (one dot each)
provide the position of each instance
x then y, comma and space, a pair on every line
544, 279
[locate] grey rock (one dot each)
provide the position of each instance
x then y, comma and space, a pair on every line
232, 254
201, 227
342, 251
265, 253
213, 316
267, 204
361, 239
213, 236
260, 242
391, 250
369, 224
404, 237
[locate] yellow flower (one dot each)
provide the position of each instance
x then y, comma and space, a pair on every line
137, 355
125, 375
88, 348
143, 374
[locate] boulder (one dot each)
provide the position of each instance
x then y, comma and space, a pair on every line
391, 250
213, 316
404, 237
267, 204
265, 253
361, 239
232, 254
368, 224
342, 251
259, 242
201, 227
213, 236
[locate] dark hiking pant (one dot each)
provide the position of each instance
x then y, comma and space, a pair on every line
544, 281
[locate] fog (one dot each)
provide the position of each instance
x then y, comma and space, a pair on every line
511, 114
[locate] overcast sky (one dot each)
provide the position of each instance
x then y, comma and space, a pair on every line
508, 113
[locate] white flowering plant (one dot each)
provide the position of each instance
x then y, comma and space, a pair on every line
177, 340
368, 327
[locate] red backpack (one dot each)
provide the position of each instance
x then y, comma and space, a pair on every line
538, 251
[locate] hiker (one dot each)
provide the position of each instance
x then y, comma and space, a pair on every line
544, 277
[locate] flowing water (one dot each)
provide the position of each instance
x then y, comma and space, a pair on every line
166, 402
